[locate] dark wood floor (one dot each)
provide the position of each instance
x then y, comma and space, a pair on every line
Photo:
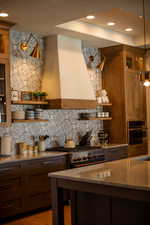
44, 218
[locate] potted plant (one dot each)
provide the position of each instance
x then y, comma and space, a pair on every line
39, 96
43, 96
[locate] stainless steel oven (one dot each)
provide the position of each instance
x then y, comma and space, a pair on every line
137, 132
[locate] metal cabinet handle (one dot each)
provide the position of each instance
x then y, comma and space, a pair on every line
46, 163
6, 206
5, 169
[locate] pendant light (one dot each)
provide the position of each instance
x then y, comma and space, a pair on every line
145, 75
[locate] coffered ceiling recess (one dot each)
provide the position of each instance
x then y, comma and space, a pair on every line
42, 17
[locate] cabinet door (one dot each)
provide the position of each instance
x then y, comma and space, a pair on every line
4, 43
38, 187
11, 202
116, 153
135, 98
136, 150
5, 110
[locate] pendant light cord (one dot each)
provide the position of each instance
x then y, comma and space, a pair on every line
144, 22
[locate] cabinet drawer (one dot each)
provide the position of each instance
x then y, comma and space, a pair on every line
39, 200
135, 150
7, 172
10, 208
45, 165
10, 189
116, 154
38, 183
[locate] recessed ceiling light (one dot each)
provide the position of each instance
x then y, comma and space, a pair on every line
128, 29
3, 14
90, 17
111, 24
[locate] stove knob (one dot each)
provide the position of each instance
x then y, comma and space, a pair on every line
75, 160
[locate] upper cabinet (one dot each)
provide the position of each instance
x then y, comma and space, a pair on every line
4, 43
5, 99
134, 90
134, 59
135, 98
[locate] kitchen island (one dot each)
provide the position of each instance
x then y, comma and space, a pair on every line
112, 193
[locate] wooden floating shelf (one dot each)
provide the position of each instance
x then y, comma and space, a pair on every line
1, 78
97, 118
105, 104
3, 123
29, 121
2, 95
29, 103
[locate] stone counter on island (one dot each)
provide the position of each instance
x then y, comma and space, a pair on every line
112, 193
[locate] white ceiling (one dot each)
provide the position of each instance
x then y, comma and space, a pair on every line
41, 16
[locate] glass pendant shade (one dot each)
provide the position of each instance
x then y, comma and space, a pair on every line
145, 78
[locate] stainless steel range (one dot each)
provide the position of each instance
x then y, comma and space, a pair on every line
83, 155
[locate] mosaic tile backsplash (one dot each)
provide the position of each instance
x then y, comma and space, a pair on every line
26, 73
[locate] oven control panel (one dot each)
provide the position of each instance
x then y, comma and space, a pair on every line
85, 157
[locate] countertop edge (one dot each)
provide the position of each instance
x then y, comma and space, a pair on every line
12, 159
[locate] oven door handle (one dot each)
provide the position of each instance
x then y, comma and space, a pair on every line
88, 164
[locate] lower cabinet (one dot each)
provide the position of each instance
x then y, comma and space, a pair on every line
11, 201
37, 183
116, 153
136, 150
25, 186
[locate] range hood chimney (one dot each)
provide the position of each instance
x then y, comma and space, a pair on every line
65, 75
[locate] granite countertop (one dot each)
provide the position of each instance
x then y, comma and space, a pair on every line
16, 158
127, 173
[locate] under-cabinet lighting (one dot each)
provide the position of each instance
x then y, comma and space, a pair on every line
3, 14
110, 23
90, 17
128, 29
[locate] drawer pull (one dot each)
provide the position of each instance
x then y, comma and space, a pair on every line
6, 206
46, 163
6, 169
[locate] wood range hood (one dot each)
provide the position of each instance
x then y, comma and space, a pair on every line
65, 75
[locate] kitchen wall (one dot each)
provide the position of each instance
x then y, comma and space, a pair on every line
26, 73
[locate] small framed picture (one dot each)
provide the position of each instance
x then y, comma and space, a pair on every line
14, 95
26, 96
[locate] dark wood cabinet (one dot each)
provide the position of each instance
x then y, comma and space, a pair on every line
10, 190
24, 186
37, 183
116, 153
5, 93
